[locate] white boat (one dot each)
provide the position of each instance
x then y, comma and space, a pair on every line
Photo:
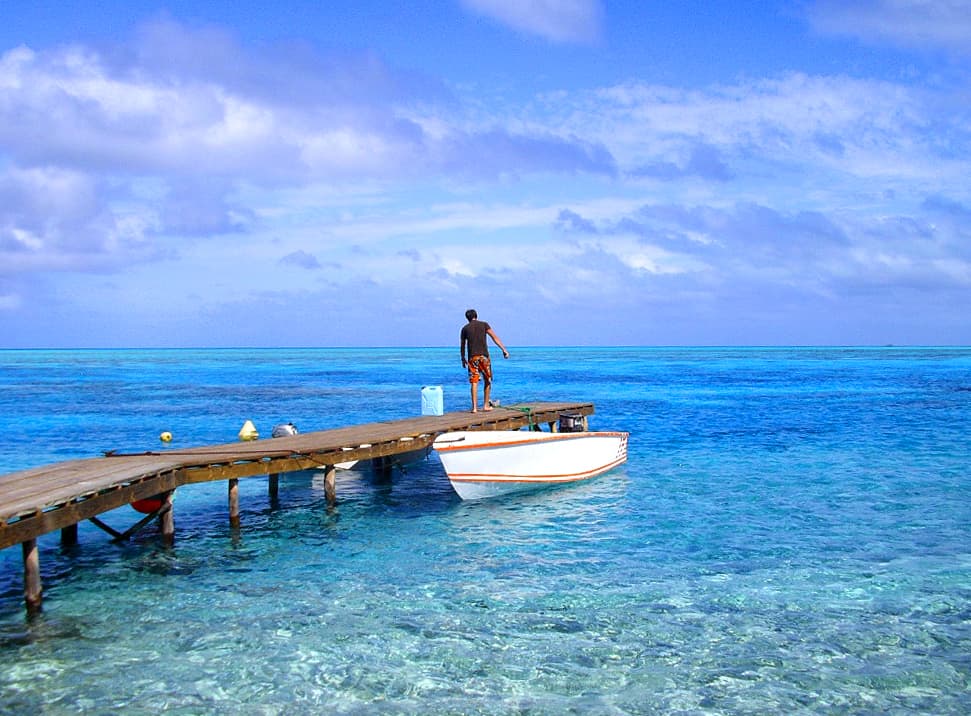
486, 463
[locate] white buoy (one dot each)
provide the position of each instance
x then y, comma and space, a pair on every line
284, 430
248, 431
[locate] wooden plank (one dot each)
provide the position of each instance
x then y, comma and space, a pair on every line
42, 522
42, 499
93, 474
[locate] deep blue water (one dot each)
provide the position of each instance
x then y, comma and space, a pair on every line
790, 534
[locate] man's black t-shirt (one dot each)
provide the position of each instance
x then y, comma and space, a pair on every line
475, 333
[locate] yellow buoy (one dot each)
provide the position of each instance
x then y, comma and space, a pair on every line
248, 431
165, 437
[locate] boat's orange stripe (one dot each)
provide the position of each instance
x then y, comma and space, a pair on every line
566, 477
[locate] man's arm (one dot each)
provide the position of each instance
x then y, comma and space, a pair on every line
492, 334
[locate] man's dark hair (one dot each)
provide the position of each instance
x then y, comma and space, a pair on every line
471, 314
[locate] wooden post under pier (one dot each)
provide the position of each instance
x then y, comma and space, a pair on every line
33, 590
69, 535
234, 502
167, 520
330, 484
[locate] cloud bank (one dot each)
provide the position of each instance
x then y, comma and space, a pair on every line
187, 169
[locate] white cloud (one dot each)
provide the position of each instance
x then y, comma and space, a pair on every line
925, 24
250, 116
867, 128
762, 248
207, 125
69, 106
58, 219
9, 302
301, 259
556, 20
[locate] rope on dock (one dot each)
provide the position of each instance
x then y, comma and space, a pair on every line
528, 411
196, 451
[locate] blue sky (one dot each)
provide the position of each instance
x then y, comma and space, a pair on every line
580, 171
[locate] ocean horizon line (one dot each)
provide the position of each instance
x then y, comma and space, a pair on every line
712, 346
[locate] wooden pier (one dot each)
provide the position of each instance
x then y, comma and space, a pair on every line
40, 500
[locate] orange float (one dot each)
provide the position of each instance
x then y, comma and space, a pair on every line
149, 504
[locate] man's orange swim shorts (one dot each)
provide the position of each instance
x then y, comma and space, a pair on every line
480, 365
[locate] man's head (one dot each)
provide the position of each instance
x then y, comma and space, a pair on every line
471, 315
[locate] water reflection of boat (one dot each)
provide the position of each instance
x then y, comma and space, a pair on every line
488, 463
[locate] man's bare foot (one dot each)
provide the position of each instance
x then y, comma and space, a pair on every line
475, 410
487, 407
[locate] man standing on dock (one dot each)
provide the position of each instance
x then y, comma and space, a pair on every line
474, 335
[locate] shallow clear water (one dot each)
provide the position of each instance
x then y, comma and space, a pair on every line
791, 533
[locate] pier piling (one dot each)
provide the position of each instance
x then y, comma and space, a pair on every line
330, 484
167, 521
234, 502
69, 535
32, 584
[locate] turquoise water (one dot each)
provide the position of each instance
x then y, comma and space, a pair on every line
790, 534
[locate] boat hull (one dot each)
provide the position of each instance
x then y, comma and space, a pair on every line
482, 464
